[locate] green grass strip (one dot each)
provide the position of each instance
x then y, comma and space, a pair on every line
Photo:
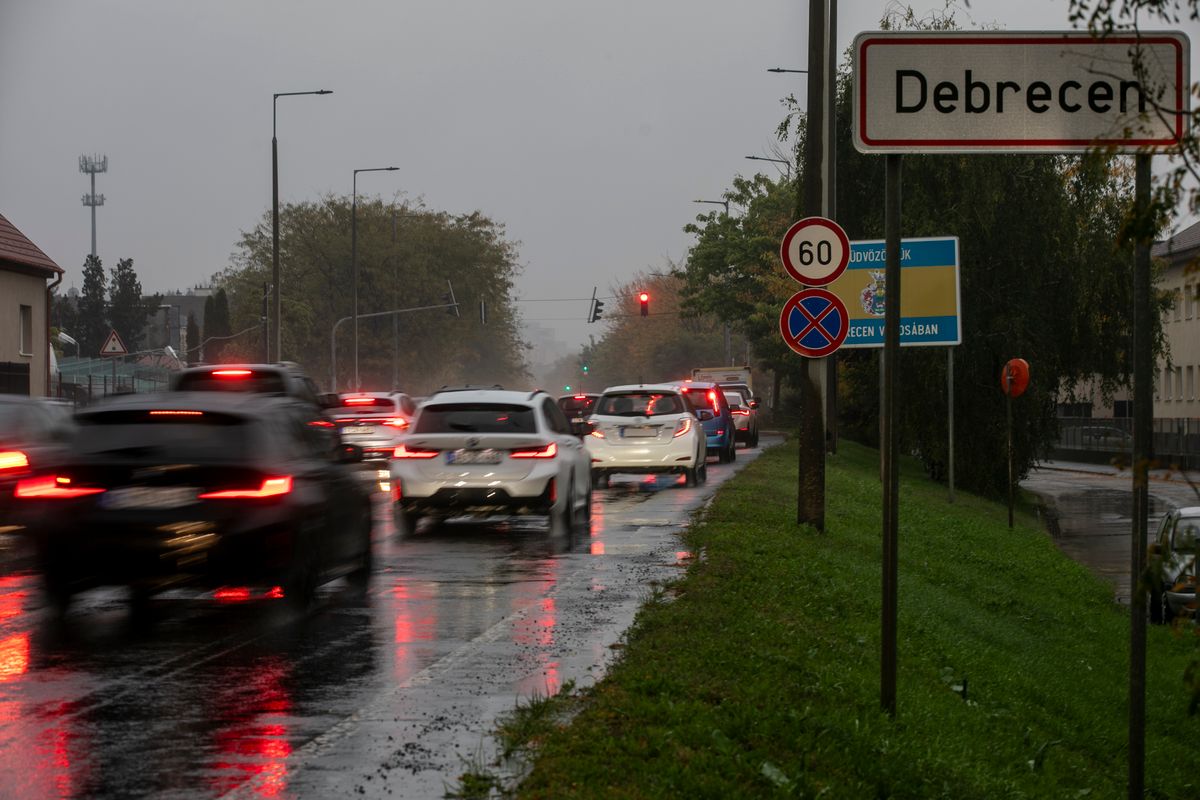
761, 677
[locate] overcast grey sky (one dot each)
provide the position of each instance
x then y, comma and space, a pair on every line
587, 128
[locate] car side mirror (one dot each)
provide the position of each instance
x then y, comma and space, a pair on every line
705, 414
349, 454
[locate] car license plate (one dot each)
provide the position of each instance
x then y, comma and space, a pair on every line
355, 430
634, 433
149, 497
473, 457
577, 420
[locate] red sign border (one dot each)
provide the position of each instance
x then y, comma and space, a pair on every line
795, 229
794, 301
1031, 145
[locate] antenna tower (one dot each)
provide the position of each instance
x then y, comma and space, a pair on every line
91, 165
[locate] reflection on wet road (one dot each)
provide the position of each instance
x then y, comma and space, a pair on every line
389, 697
1091, 517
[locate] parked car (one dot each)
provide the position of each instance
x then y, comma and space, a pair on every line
486, 452
745, 416
200, 488
284, 378
376, 422
578, 407
1106, 437
712, 409
1173, 560
33, 435
646, 429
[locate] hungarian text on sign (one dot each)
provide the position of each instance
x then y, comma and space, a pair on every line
929, 303
996, 91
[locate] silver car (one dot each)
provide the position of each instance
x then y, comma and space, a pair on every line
374, 421
1173, 556
486, 452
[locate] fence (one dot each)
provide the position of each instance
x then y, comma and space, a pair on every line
1174, 441
82, 380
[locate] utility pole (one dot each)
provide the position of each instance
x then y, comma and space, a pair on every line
91, 165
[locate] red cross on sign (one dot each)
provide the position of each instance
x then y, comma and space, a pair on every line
814, 323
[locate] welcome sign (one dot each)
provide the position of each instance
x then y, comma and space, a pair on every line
929, 302
1002, 92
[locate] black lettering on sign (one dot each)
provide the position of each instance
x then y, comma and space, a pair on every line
974, 96
901, 74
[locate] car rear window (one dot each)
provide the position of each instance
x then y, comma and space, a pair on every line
199, 436
475, 418
576, 405
256, 382
640, 404
733, 398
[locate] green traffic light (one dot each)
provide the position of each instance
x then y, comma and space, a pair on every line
566, 388
585, 367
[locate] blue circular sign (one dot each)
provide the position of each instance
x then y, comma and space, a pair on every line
814, 323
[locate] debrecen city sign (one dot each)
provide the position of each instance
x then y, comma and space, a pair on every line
1001, 92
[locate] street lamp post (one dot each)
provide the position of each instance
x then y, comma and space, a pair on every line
354, 256
787, 164
728, 335
276, 306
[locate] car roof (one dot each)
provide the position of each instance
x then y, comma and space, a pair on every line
506, 396
642, 387
1189, 511
222, 402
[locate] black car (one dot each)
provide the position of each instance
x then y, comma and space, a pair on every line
201, 489
33, 433
578, 407
284, 378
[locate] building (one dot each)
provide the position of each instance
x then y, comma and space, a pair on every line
24, 313
1179, 370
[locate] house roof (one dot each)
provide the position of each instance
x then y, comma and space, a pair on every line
15, 248
1182, 243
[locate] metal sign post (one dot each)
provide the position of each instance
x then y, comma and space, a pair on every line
889, 439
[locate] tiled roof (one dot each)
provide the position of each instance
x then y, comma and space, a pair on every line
16, 248
1183, 242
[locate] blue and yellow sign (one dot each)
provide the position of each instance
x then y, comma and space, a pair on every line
929, 302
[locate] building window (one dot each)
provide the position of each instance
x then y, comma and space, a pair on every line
1189, 293
26, 330
1191, 385
1179, 383
1177, 305
1166, 392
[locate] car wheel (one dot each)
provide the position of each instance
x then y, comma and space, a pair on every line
300, 585
406, 522
702, 472
58, 592
690, 478
563, 519
583, 515
732, 451
754, 439
723, 455
360, 578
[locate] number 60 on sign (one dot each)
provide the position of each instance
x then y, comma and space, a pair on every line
815, 251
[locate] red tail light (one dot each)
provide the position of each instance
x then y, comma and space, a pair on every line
712, 400
414, 452
320, 423
599, 434
549, 451
52, 487
174, 413
232, 373
683, 426
271, 487
396, 422
13, 461
358, 401
741, 412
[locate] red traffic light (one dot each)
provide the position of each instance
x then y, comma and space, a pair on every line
644, 299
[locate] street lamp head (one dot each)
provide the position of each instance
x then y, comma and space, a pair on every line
323, 91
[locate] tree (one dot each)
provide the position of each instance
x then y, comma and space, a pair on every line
127, 311
93, 309
405, 256
216, 327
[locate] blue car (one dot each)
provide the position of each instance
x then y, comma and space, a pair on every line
712, 409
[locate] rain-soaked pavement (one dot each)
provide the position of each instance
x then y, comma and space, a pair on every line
1089, 511
391, 697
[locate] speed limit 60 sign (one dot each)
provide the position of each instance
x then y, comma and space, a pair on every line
815, 251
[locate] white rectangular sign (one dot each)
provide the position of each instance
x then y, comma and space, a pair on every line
1004, 92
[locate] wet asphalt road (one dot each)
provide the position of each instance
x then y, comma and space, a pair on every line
391, 697
1090, 515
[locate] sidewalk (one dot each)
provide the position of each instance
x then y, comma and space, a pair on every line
1178, 476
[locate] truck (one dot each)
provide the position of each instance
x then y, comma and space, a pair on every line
734, 376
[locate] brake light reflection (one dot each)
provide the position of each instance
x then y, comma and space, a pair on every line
52, 487
13, 459
271, 487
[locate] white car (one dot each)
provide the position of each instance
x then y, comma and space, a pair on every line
646, 429
483, 452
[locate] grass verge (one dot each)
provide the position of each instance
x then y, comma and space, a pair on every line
761, 679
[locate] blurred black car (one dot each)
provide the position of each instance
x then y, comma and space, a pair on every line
578, 407
33, 433
200, 488
283, 378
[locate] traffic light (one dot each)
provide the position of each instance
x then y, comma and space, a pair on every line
644, 299
585, 369
597, 309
